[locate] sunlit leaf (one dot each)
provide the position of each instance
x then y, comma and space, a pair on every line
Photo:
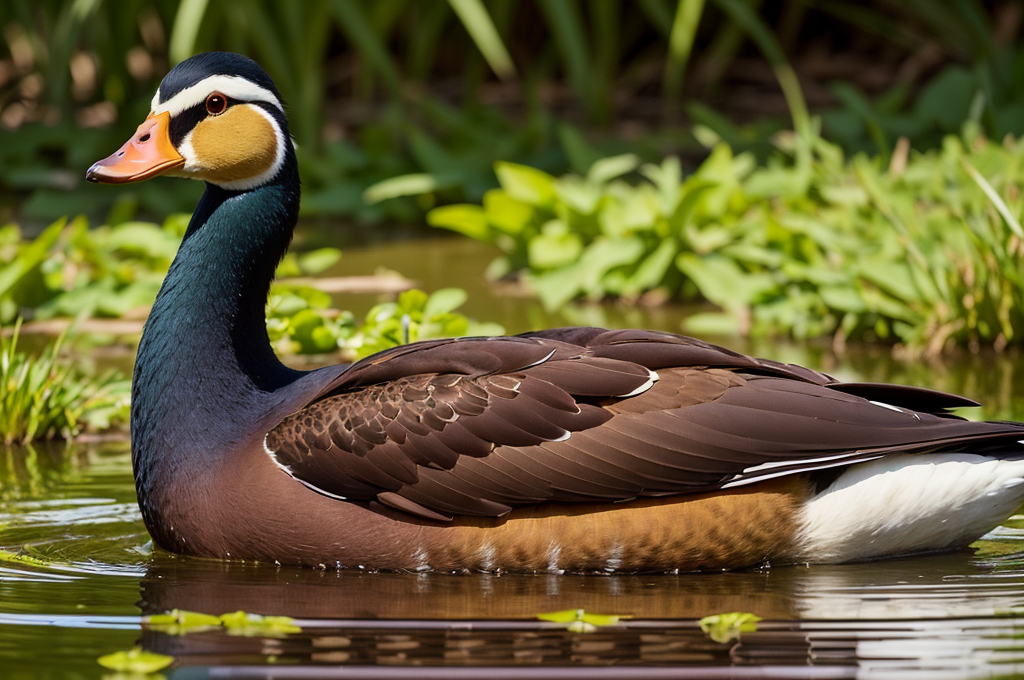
443, 301
530, 185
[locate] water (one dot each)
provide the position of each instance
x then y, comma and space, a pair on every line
89, 574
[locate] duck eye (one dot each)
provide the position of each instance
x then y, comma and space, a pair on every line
216, 103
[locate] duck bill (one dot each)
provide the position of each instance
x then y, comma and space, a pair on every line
148, 153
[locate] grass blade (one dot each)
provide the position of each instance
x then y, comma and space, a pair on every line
357, 28
481, 29
566, 25
680, 45
187, 21
995, 198
761, 34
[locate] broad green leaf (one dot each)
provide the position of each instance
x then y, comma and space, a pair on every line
652, 269
554, 248
581, 196
444, 301
465, 219
505, 213
523, 183
843, 299
721, 281
607, 169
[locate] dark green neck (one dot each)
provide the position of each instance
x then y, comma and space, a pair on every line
205, 370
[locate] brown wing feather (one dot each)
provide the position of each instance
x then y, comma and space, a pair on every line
476, 427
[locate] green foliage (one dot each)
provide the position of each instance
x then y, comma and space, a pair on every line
72, 270
300, 320
990, 94
45, 397
115, 272
925, 250
182, 622
72, 59
725, 628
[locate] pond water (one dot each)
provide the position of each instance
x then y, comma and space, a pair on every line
87, 573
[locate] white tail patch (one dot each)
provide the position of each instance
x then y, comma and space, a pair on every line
905, 504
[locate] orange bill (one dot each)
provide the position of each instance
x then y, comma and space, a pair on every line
148, 153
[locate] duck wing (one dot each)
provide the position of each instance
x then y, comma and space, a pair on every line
478, 426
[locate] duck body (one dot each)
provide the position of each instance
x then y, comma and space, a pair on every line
574, 449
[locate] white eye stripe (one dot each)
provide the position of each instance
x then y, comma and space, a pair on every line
234, 87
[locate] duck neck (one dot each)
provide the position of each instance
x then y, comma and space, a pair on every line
205, 370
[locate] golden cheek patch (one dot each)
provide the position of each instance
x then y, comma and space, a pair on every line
236, 145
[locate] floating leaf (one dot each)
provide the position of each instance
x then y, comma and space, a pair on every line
243, 623
135, 660
181, 622
580, 621
725, 628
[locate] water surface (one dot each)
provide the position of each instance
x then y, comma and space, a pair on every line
88, 574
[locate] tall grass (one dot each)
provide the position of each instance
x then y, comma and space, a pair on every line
45, 397
384, 45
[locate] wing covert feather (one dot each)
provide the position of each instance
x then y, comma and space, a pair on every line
476, 427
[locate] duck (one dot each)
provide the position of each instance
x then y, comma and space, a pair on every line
563, 450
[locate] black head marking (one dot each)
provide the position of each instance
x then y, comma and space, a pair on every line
195, 69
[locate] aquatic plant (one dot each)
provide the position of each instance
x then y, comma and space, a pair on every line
115, 272
43, 396
925, 249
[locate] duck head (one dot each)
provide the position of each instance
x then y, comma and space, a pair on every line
216, 117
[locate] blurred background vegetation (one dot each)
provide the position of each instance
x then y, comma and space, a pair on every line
441, 89
837, 169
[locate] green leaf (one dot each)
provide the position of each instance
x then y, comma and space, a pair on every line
721, 281
319, 260
135, 660
444, 301
529, 185
466, 219
181, 622
506, 213
607, 169
652, 270
410, 185
243, 623
30, 257
725, 628
554, 247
